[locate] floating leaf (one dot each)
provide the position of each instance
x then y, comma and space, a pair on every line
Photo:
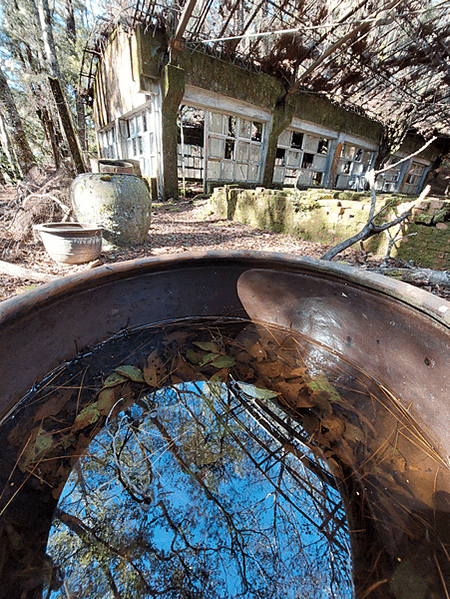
257, 392
224, 362
87, 416
114, 379
130, 372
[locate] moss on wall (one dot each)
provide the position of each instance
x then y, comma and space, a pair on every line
328, 216
230, 80
320, 110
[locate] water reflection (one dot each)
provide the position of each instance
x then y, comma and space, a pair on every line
213, 458
191, 493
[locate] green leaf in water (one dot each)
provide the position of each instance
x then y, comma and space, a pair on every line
208, 358
114, 379
321, 385
209, 346
130, 372
257, 392
87, 416
224, 362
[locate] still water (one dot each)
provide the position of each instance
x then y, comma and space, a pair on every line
223, 458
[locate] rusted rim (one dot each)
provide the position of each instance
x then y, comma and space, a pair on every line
415, 297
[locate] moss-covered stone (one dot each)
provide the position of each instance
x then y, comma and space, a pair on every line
327, 217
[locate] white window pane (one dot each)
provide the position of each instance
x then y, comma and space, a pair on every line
278, 174
243, 151
216, 147
255, 154
228, 171
285, 139
215, 122
304, 178
319, 162
293, 158
311, 144
213, 170
242, 172
253, 172
245, 129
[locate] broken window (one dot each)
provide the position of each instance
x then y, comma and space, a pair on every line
234, 148
301, 159
414, 178
191, 131
354, 162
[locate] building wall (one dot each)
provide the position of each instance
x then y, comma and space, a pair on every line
249, 134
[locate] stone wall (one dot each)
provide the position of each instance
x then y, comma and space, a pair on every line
329, 216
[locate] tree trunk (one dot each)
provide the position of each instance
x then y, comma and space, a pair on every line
47, 36
14, 128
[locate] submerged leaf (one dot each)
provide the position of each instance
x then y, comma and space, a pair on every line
87, 416
130, 372
209, 346
107, 398
223, 362
208, 358
154, 372
320, 386
38, 445
114, 379
257, 392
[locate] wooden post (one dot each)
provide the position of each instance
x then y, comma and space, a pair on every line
66, 121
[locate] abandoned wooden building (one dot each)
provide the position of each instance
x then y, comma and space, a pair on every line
186, 112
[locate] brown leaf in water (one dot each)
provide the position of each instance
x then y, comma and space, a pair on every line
179, 337
294, 393
208, 346
54, 404
270, 369
183, 371
107, 398
335, 427
154, 372
258, 351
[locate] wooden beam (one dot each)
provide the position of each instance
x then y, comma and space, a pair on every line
175, 42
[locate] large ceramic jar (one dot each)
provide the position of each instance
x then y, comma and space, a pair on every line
119, 203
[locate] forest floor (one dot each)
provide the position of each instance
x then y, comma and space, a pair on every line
186, 225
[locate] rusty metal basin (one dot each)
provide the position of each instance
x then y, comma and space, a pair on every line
398, 335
